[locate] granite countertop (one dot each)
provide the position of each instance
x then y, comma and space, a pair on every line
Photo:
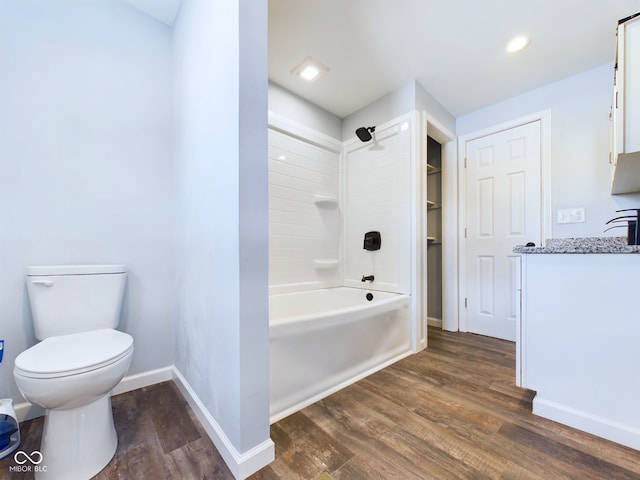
582, 245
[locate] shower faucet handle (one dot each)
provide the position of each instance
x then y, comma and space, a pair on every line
368, 278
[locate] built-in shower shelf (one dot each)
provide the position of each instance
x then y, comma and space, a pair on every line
325, 200
325, 264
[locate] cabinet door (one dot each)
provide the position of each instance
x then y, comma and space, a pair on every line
630, 70
625, 114
626, 91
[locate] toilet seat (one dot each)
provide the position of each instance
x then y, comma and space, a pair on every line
72, 354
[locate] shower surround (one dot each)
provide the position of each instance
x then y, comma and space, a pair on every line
324, 196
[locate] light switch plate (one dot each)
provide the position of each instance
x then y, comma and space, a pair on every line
571, 215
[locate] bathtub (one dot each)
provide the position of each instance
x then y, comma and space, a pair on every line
323, 340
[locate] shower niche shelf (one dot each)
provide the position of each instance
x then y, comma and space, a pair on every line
325, 201
325, 264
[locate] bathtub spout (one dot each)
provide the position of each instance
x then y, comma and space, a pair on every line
368, 278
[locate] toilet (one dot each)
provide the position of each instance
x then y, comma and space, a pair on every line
81, 357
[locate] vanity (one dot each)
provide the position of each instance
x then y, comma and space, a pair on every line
578, 341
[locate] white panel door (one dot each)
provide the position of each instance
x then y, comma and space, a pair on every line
503, 210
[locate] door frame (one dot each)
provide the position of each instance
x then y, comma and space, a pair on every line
447, 139
544, 117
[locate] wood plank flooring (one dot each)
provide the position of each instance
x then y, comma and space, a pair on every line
159, 437
450, 412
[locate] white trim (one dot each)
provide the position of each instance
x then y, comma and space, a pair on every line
438, 131
27, 411
144, 379
419, 229
521, 331
298, 130
434, 322
461, 241
450, 255
545, 177
602, 427
546, 221
382, 131
241, 465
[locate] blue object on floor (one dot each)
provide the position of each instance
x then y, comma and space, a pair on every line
9, 428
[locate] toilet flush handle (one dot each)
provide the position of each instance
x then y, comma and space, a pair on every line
44, 283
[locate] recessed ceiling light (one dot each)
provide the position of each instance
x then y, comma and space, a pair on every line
309, 70
517, 44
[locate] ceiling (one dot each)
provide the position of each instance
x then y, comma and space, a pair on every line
164, 11
453, 48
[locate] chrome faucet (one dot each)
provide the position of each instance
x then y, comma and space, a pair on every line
368, 278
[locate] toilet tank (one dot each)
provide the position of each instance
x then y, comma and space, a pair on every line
75, 298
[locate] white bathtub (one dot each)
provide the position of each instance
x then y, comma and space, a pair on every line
323, 340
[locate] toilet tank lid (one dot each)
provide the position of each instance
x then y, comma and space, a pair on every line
48, 270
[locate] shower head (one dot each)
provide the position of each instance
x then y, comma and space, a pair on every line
364, 133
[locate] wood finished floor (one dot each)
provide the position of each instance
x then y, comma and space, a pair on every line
159, 437
450, 412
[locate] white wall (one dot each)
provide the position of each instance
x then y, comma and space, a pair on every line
295, 108
221, 170
580, 139
407, 98
425, 102
392, 105
85, 162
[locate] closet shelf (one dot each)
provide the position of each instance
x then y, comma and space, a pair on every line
431, 170
325, 200
431, 205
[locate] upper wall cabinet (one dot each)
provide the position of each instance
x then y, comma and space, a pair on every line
625, 110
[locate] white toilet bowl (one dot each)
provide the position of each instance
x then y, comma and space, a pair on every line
72, 376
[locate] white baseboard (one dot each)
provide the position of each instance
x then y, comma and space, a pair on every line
241, 465
434, 322
587, 422
144, 379
27, 411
